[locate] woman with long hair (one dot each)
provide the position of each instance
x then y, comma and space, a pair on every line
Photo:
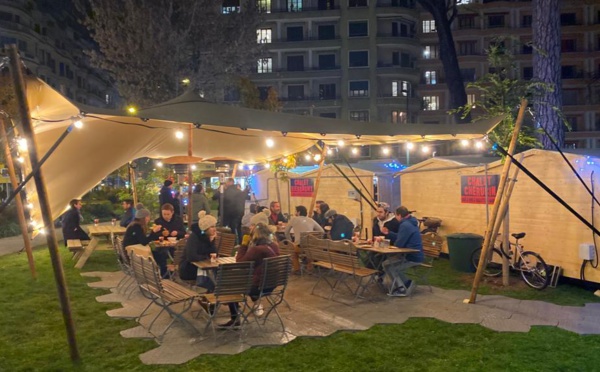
137, 231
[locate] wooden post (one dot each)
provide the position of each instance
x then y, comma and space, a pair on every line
190, 208
506, 248
20, 209
491, 231
28, 133
133, 187
313, 200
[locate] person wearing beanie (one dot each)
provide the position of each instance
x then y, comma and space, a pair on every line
139, 206
166, 193
137, 231
198, 247
341, 226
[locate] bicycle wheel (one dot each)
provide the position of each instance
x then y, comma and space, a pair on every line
534, 270
493, 267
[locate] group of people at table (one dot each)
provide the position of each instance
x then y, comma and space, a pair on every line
265, 226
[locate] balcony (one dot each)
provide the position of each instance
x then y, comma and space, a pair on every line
306, 11
396, 70
306, 42
409, 4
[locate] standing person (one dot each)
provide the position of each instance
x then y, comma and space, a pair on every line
276, 215
199, 202
71, 221
260, 247
128, 214
234, 201
166, 193
177, 204
199, 246
408, 236
301, 223
341, 226
384, 218
137, 231
319, 213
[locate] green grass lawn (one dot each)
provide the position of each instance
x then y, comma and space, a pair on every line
32, 335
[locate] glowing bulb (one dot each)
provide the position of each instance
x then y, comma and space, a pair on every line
307, 157
479, 144
269, 142
317, 157
30, 206
179, 134
22, 143
21, 160
159, 164
464, 143
354, 151
385, 150
267, 164
78, 124
329, 152
42, 231
131, 109
425, 149
194, 167
340, 143
410, 145
241, 166
284, 160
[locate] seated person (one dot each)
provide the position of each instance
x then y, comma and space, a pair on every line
172, 226
137, 231
384, 218
246, 218
128, 213
319, 213
276, 216
408, 236
71, 221
261, 246
341, 227
199, 246
301, 224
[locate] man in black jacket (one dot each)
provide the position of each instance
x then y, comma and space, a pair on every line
71, 222
341, 226
166, 193
172, 226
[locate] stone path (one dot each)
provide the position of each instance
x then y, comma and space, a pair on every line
313, 315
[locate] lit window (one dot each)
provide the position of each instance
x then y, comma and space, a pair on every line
359, 88
470, 99
265, 65
430, 77
399, 88
430, 52
294, 5
362, 115
264, 6
263, 35
428, 26
431, 103
399, 117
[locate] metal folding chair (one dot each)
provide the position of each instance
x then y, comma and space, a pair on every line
125, 266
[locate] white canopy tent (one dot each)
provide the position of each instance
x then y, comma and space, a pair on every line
109, 138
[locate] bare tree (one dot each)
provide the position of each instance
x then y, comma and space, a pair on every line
444, 12
546, 69
150, 46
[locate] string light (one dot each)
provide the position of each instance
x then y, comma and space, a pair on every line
479, 145
159, 164
194, 167
241, 166
385, 150
22, 144
307, 157
425, 149
464, 143
329, 152
410, 145
78, 124
354, 150
317, 157
269, 142
179, 134
21, 160
341, 143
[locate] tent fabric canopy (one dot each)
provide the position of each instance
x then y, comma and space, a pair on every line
109, 139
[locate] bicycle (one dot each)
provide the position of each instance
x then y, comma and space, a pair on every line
532, 267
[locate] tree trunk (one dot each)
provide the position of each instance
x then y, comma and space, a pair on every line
454, 81
546, 69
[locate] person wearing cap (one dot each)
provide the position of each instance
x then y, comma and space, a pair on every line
71, 222
128, 213
166, 193
137, 231
407, 236
198, 247
341, 226
261, 246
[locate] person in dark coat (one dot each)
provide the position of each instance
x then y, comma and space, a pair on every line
128, 214
341, 226
199, 246
319, 214
261, 246
276, 215
234, 201
71, 221
137, 231
166, 193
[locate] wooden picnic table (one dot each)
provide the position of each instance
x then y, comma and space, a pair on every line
208, 264
95, 232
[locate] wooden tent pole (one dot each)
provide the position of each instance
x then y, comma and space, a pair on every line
491, 231
133, 186
190, 208
313, 200
28, 133
18, 200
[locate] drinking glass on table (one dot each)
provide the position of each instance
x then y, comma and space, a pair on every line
113, 221
213, 257
96, 221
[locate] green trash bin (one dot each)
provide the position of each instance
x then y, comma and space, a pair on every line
460, 248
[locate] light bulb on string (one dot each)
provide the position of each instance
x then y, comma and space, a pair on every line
329, 152
78, 124
194, 167
131, 109
159, 164
464, 143
354, 150
317, 157
29, 205
241, 166
425, 149
385, 150
22, 144
410, 145
21, 160
479, 145
179, 134
341, 143
307, 157
269, 142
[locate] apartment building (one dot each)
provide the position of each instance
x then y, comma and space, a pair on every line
477, 25
51, 44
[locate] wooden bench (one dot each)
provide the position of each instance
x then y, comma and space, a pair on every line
75, 247
432, 247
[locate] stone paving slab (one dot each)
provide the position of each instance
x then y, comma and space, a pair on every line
317, 316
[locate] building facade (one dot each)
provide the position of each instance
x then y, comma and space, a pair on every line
52, 45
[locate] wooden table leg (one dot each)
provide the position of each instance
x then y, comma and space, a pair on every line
87, 252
